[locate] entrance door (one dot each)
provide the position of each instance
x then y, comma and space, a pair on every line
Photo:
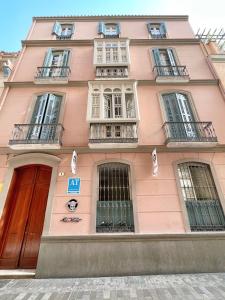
24, 217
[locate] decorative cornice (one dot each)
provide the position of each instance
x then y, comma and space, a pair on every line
112, 17
21, 84
67, 43
140, 149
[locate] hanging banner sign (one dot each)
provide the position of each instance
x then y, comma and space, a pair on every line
74, 162
154, 163
73, 186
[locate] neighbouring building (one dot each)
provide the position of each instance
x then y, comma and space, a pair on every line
7, 60
213, 43
112, 88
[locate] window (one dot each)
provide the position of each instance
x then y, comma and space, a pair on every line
109, 30
63, 31
45, 117
180, 116
114, 205
111, 52
6, 70
165, 62
112, 102
201, 198
55, 63
157, 30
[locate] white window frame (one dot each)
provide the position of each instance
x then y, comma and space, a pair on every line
98, 88
102, 44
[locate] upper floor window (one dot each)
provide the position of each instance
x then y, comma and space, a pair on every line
111, 52
62, 30
112, 102
55, 64
109, 30
157, 30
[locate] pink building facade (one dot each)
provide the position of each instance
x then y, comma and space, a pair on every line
113, 89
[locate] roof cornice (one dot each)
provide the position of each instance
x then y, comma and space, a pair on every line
60, 43
112, 17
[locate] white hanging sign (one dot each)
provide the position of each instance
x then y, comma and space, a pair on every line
154, 163
74, 162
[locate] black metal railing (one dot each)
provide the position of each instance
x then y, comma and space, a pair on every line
158, 36
53, 72
115, 216
64, 37
111, 36
205, 215
113, 133
110, 72
37, 134
189, 132
170, 71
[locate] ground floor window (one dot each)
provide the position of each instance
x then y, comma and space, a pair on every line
114, 203
199, 192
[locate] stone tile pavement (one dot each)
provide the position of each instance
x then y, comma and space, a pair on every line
154, 287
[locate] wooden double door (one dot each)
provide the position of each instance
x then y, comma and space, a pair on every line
23, 217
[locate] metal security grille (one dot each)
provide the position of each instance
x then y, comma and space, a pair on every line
201, 198
114, 205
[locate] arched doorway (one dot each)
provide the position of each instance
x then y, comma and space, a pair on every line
23, 216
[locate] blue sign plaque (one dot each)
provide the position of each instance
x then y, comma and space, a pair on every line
73, 186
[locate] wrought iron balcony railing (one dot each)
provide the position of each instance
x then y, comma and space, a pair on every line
37, 134
205, 215
189, 132
115, 216
64, 37
176, 71
113, 133
158, 36
53, 72
110, 72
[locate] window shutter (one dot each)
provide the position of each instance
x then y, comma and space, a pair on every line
65, 58
118, 28
95, 113
52, 110
38, 113
57, 29
171, 57
156, 55
149, 27
163, 28
101, 27
172, 108
72, 29
48, 58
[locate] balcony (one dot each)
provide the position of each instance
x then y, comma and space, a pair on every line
52, 75
186, 134
158, 35
64, 37
171, 74
36, 136
109, 135
111, 72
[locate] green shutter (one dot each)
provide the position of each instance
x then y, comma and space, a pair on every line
162, 29
149, 27
101, 27
57, 29
118, 28
48, 58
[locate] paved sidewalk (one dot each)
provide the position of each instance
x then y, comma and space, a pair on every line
157, 287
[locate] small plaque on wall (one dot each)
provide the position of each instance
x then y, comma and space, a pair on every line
73, 186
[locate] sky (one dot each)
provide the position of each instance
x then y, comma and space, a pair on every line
16, 15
